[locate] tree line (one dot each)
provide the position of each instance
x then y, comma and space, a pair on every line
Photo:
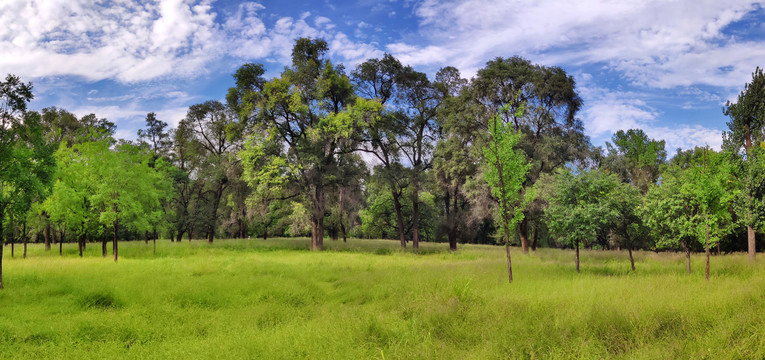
380, 151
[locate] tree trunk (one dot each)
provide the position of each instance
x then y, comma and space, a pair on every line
509, 263
317, 218
60, 247
706, 247
1, 256
415, 217
576, 245
751, 242
13, 242
536, 237
114, 242
46, 235
216, 203
523, 233
688, 259
342, 229
79, 244
399, 216
632, 260
2, 245
103, 242
155, 245
24, 238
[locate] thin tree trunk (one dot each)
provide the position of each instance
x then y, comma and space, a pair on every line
688, 259
632, 260
13, 242
576, 245
103, 242
317, 219
114, 241
509, 263
536, 237
79, 244
1, 255
60, 247
46, 235
415, 217
706, 247
155, 245
523, 233
399, 218
24, 238
751, 242
342, 229
216, 203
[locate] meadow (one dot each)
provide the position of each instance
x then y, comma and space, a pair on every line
366, 299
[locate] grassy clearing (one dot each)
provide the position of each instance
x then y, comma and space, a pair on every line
367, 299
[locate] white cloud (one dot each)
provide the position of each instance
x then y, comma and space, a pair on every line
655, 43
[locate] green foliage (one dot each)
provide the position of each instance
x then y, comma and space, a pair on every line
636, 158
693, 202
505, 172
581, 205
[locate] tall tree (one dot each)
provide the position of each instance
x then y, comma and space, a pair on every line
26, 163
377, 79
217, 133
313, 113
505, 172
745, 128
551, 135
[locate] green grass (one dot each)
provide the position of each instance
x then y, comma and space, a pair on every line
368, 300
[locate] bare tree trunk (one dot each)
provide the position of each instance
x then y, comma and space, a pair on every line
576, 245
60, 247
1, 255
536, 237
13, 242
342, 228
24, 238
415, 217
399, 218
46, 235
103, 242
509, 263
317, 218
155, 245
79, 245
523, 233
216, 203
114, 242
632, 260
706, 247
751, 242
688, 259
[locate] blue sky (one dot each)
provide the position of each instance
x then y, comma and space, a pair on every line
667, 67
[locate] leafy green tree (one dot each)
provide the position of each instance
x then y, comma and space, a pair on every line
745, 129
551, 134
457, 156
313, 115
581, 205
692, 205
627, 226
377, 79
505, 172
635, 158
26, 163
216, 134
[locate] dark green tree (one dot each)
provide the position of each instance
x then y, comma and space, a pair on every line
746, 129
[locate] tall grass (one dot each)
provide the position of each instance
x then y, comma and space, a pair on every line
367, 299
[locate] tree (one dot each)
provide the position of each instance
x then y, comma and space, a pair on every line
635, 158
26, 163
747, 127
581, 205
627, 226
377, 80
313, 113
692, 205
457, 155
216, 134
551, 135
505, 172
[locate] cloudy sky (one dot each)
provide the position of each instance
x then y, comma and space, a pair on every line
667, 67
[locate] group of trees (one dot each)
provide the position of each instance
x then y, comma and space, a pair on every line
381, 151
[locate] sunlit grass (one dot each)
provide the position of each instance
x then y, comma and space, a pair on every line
368, 299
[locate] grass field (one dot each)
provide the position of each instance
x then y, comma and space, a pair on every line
368, 300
